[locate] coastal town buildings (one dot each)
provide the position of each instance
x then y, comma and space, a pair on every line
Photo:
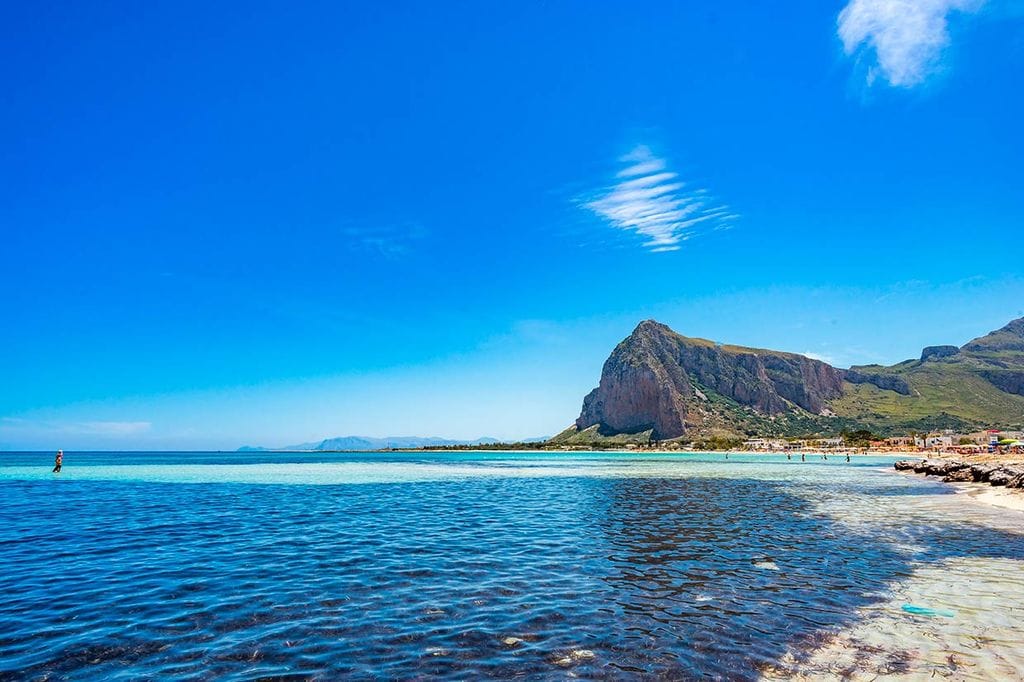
988, 440
934, 441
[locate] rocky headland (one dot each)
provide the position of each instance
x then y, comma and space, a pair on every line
658, 385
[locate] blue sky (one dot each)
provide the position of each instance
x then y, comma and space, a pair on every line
262, 223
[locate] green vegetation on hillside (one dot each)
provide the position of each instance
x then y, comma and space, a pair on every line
942, 395
590, 437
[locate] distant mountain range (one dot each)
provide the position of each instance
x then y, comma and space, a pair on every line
660, 385
368, 443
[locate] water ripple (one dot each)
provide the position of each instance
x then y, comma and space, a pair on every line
721, 571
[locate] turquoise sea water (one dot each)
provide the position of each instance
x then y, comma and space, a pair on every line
472, 565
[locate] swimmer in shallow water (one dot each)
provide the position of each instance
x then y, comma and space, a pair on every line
58, 461
847, 456
803, 457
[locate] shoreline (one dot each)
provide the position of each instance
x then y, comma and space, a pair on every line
997, 482
1005, 498
664, 451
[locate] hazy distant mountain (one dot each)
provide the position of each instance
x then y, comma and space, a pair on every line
366, 443
356, 443
662, 385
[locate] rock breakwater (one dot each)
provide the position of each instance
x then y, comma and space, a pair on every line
1010, 475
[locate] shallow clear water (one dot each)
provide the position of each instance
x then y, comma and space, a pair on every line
470, 565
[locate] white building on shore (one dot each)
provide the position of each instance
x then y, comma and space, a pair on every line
934, 441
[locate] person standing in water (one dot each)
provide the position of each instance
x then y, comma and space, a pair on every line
58, 461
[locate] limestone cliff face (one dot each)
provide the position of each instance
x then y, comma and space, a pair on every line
663, 385
886, 382
642, 386
938, 352
657, 379
1008, 380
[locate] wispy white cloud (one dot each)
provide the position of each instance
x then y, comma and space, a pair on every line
389, 241
651, 200
117, 429
819, 356
907, 36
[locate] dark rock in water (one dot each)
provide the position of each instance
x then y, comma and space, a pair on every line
952, 467
963, 474
954, 471
1000, 476
938, 352
981, 472
1015, 472
936, 467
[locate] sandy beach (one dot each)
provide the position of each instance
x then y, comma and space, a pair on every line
987, 494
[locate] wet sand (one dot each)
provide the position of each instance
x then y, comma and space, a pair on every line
997, 497
984, 492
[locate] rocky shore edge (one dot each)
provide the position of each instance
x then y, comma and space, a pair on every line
1010, 475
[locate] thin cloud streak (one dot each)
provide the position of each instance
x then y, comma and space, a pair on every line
820, 357
109, 429
389, 241
115, 429
653, 202
907, 36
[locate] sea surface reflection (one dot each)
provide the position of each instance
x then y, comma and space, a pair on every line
528, 567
